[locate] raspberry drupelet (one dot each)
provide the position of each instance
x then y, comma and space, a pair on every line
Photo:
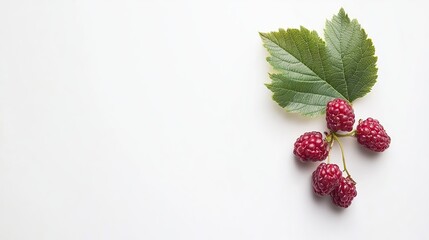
344, 193
371, 134
311, 147
326, 178
339, 115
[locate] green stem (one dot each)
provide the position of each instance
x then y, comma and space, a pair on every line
331, 143
342, 153
350, 134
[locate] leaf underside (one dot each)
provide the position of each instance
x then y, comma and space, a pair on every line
309, 72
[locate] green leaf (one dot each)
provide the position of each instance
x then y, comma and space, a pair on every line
300, 58
351, 54
310, 73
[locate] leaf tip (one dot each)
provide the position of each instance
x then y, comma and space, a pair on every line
264, 36
269, 86
342, 13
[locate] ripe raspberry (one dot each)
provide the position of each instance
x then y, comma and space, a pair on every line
326, 178
344, 193
339, 115
372, 135
311, 147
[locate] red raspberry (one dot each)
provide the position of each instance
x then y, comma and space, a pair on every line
326, 178
344, 193
311, 147
339, 115
372, 135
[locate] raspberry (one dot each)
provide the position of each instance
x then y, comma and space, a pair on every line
372, 135
326, 178
344, 193
311, 147
339, 115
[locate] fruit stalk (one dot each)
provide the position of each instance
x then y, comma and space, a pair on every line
342, 154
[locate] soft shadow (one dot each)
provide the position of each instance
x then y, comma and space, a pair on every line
336, 209
368, 154
326, 201
304, 166
318, 199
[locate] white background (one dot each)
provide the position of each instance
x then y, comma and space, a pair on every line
150, 120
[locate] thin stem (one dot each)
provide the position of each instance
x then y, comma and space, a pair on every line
331, 143
342, 153
350, 134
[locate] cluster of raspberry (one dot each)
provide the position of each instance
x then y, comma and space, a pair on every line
328, 179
